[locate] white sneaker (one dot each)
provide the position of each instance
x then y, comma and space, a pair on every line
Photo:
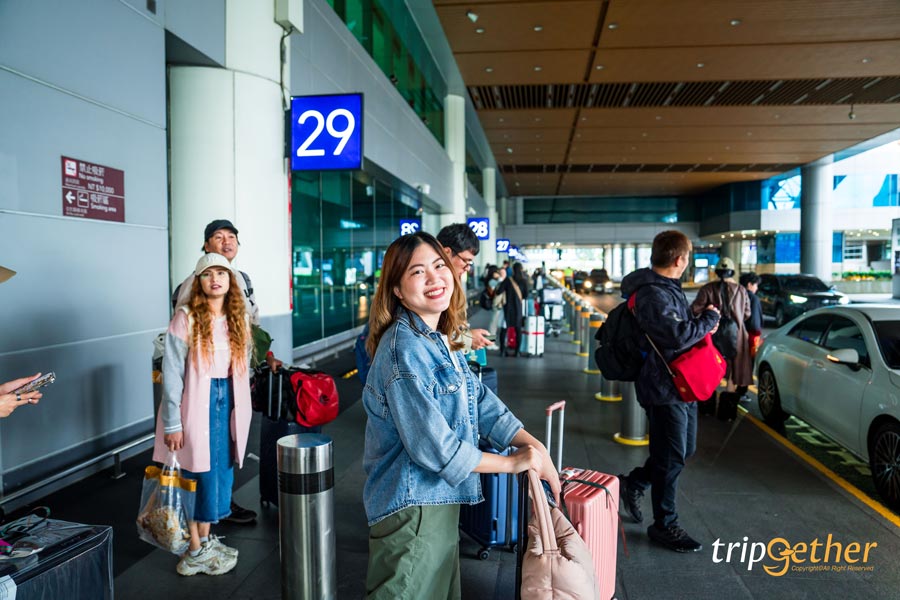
215, 542
208, 561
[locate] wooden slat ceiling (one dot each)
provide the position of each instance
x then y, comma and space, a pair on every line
648, 97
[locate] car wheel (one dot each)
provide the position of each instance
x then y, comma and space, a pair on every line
779, 316
884, 460
768, 399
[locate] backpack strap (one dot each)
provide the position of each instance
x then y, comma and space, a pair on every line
724, 300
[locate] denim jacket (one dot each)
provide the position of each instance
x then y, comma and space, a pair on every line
426, 411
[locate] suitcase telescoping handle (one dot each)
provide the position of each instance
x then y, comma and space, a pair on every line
561, 407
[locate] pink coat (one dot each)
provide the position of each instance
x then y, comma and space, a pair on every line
194, 455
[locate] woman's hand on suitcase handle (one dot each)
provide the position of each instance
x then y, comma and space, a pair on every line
174, 441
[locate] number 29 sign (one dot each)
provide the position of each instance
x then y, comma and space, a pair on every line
326, 132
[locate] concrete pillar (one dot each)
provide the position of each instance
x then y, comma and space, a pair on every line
226, 137
520, 210
488, 253
816, 185
454, 210
608, 259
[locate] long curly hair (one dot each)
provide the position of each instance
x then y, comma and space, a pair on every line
235, 310
385, 303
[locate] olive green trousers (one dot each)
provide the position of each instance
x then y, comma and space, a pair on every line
414, 555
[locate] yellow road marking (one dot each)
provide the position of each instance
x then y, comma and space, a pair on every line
840, 481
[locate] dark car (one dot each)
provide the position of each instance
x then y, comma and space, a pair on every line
578, 278
784, 297
598, 281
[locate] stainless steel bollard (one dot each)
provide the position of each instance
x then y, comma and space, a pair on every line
609, 390
594, 323
306, 517
583, 331
634, 419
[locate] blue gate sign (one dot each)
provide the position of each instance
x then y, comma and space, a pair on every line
502, 245
326, 132
408, 226
481, 227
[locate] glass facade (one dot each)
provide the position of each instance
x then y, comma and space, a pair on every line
342, 223
785, 248
387, 31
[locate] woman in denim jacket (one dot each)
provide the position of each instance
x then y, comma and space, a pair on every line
426, 413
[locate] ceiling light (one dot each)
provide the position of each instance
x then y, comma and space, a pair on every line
634, 147
584, 118
866, 60
537, 119
509, 150
538, 68
538, 28
599, 67
613, 26
701, 65
472, 16
537, 135
734, 22
728, 147
489, 69
658, 118
517, 184
479, 30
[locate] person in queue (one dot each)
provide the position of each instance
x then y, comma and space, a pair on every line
221, 237
205, 414
10, 399
462, 245
726, 289
426, 411
754, 325
663, 313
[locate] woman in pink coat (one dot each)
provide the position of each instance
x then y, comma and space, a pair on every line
205, 414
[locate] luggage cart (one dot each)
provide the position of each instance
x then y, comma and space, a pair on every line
552, 309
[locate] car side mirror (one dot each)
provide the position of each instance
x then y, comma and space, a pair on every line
845, 356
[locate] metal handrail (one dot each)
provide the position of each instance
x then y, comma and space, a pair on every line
114, 454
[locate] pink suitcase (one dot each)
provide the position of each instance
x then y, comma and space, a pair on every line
593, 507
594, 512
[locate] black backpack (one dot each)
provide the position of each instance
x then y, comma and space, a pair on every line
619, 356
485, 300
725, 338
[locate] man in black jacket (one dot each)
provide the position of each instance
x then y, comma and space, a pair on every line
664, 314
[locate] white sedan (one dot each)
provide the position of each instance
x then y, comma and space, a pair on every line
838, 369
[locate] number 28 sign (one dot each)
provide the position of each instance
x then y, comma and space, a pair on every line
326, 132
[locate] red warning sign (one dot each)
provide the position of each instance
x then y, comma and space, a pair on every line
92, 191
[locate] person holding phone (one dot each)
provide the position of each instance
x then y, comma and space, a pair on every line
12, 398
426, 411
205, 414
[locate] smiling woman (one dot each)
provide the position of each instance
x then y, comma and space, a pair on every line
425, 410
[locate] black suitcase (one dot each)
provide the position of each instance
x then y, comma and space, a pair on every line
275, 399
727, 407
487, 375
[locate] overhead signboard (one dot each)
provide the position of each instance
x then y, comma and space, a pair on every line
481, 227
326, 132
408, 226
502, 246
92, 191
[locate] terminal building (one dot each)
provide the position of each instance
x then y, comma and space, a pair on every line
569, 132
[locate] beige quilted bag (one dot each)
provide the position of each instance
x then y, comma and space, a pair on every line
557, 564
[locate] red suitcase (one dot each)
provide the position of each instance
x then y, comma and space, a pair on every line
592, 501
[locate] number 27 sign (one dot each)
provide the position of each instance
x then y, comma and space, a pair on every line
326, 132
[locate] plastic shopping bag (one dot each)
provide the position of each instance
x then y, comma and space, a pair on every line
167, 507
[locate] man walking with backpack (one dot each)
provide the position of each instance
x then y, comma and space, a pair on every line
662, 312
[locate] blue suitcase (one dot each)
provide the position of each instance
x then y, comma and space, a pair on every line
494, 522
